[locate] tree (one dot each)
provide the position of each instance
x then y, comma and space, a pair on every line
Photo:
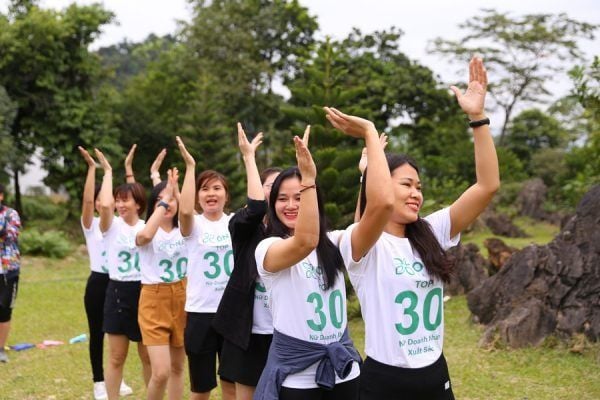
220, 70
532, 131
126, 59
523, 53
7, 115
582, 160
49, 74
368, 75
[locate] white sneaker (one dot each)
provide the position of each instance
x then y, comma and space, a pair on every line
100, 391
125, 390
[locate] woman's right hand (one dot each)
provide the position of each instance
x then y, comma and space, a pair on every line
86, 156
103, 161
187, 157
306, 165
349, 124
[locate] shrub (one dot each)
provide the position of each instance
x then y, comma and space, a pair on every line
43, 208
51, 243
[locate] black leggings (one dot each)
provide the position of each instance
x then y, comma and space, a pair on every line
95, 292
379, 381
342, 391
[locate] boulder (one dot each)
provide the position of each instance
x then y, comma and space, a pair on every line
500, 224
469, 269
530, 199
498, 253
551, 289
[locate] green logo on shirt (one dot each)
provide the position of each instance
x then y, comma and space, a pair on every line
314, 272
401, 266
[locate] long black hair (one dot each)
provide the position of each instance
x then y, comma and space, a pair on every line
328, 255
153, 198
437, 262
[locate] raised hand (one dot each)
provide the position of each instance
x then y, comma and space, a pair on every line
129, 158
362, 164
473, 100
306, 165
103, 161
187, 157
86, 156
248, 148
169, 192
175, 183
306, 135
349, 124
155, 167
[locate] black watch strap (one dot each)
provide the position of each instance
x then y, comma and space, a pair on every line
480, 122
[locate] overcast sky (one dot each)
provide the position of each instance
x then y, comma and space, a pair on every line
420, 20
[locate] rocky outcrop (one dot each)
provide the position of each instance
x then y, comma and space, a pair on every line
469, 269
551, 289
501, 224
498, 253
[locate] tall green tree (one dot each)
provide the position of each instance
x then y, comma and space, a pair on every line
7, 156
51, 76
523, 53
221, 69
582, 160
533, 131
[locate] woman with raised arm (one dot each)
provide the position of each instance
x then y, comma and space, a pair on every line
122, 259
95, 289
163, 263
398, 271
243, 317
311, 356
210, 264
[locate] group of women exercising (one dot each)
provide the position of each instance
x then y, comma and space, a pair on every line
262, 290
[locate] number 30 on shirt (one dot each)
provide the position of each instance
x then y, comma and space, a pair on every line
431, 318
216, 265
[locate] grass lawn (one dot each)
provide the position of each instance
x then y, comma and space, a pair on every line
50, 306
539, 233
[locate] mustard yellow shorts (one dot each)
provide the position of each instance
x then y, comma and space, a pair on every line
161, 314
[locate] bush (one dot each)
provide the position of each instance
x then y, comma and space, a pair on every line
43, 208
51, 243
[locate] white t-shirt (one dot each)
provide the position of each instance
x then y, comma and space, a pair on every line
164, 259
302, 309
262, 321
210, 263
402, 306
121, 252
95, 246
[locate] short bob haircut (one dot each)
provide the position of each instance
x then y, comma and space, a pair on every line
204, 178
137, 193
153, 199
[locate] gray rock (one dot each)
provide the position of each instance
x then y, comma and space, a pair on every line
551, 289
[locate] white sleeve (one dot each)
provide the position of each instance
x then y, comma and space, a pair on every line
335, 237
356, 269
260, 254
441, 225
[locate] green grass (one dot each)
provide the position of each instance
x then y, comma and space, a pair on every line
50, 306
539, 233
